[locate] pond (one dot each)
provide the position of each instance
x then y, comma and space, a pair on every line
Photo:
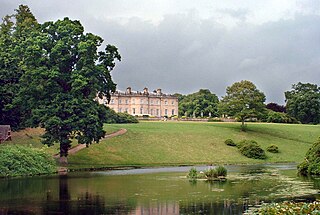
155, 191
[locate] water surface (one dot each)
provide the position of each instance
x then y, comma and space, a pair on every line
155, 191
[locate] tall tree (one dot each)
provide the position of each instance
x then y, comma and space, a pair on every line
242, 100
276, 107
202, 103
303, 102
57, 73
14, 33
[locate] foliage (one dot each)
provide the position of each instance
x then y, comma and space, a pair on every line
273, 148
217, 172
61, 72
276, 107
14, 39
251, 149
230, 142
311, 164
278, 117
243, 142
194, 104
192, 173
303, 102
243, 101
288, 208
21, 161
113, 117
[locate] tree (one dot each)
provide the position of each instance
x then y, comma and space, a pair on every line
203, 102
13, 39
303, 102
276, 107
243, 101
63, 73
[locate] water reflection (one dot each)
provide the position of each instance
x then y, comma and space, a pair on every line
152, 193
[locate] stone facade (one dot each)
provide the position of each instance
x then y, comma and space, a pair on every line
137, 103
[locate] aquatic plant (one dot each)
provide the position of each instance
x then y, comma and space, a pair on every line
193, 174
287, 208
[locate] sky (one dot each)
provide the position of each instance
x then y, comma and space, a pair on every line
182, 46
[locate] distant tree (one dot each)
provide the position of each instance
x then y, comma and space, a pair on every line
276, 107
61, 73
303, 102
203, 102
243, 101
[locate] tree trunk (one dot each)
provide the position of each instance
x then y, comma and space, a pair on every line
243, 128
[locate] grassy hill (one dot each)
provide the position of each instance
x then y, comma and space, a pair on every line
183, 143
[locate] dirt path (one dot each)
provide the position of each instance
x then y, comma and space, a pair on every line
77, 148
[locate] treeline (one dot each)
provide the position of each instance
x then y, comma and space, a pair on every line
244, 101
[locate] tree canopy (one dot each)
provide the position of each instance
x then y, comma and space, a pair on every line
200, 104
303, 102
56, 74
243, 101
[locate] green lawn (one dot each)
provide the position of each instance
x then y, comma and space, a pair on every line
184, 143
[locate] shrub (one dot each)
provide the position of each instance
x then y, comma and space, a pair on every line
273, 148
211, 173
230, 142
22, 161
221, 171
244, 142
192, 173
113, 117
252, 150
311, 165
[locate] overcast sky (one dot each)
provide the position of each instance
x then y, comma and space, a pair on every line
182, 46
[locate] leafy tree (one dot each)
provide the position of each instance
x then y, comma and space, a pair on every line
243, 101
303, 102
13, 44
276, 107
62, 73
203, 102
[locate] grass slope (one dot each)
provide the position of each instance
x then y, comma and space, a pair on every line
177, 143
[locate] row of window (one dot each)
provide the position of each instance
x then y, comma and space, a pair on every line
142, 101
152, 111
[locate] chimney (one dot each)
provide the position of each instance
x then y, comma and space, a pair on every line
159, 92
128, 90
145, 91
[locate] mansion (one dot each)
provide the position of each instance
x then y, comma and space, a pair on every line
155, 104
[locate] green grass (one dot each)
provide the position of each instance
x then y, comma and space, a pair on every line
185, 143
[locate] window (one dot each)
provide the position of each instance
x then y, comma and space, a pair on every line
126, 101
126, 111
133, 111
165, 102
112, 101
119, 101
172, 112
141, 101
120, 109
172, 102
151, 101
151, 111
133, 101
166, 112
157, 102
141, 110
158, 112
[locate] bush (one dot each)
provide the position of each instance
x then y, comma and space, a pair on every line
230, 142
278, 117
273, 148
244, 142
221, 171
24, 161
192, 173
113, 117
251, 149
311, 164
